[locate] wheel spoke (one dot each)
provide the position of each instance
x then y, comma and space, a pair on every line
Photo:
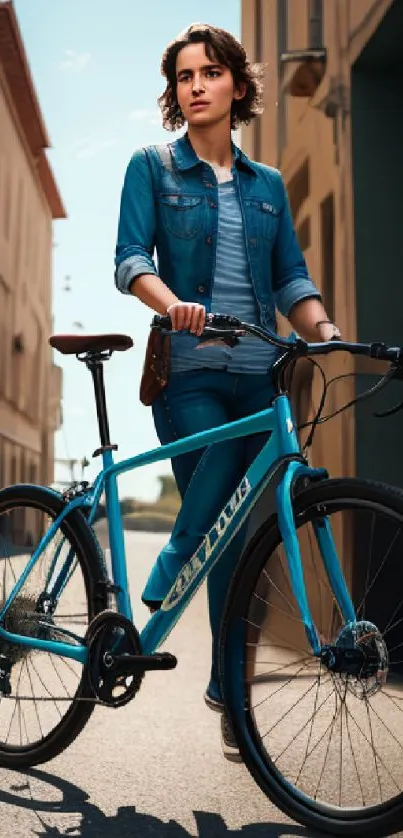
383, 723
375, 751
277, 608
311, 725
376, 575
34, 699
288, 711
15, 705
307, 723
39, 679
278, 690
332, 726
278, 590
350, 741
335, 738
58, 676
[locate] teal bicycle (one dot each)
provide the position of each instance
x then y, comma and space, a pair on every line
311, 662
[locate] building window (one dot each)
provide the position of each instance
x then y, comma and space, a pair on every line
19, 243
4, 334
2, 464
282, 41
33, 473
13, 470
315, 24
304, 234
327, 242
7, 203
299, 188
35, 371
17, 394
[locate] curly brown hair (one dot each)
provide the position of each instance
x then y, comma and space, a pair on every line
222, 47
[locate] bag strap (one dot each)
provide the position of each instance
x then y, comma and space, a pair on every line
166, 158
165, 154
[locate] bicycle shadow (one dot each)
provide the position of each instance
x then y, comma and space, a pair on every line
127, 822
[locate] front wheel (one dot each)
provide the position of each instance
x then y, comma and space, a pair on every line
325, 747
46, 699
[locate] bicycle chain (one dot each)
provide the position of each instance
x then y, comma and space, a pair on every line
103, 620
51, 698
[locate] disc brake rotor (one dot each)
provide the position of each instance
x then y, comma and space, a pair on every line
372, 672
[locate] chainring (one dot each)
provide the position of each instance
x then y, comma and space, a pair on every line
109, 635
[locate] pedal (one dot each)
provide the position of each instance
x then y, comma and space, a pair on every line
124, 664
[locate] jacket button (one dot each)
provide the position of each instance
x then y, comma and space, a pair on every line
201, 289
252, 242
208, 239
212, 204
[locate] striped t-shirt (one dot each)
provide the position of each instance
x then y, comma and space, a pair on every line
232, 293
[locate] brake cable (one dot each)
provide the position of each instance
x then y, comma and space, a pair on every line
320, 420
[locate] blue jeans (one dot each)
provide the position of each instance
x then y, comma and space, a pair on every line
192, 402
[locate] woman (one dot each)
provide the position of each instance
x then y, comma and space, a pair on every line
225, 242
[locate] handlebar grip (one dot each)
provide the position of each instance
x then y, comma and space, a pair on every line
214, 321
162, 321
223, 321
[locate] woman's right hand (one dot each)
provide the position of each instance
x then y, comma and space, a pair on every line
191, 316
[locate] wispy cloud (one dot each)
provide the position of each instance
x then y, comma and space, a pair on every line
81, 142
74, 411
86, 148
151, 116
74, 62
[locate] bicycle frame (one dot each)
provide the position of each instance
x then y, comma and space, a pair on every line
282, 443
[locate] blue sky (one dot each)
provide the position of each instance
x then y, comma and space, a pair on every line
95, 65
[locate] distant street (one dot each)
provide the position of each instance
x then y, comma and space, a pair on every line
153, 768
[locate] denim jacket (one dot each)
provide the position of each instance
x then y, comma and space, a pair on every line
171, 206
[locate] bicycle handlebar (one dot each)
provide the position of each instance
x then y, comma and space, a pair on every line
223, 325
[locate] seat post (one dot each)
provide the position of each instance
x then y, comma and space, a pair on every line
94, 362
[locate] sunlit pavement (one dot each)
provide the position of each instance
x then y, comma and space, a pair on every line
152, 768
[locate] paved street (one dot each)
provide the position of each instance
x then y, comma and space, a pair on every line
153, 768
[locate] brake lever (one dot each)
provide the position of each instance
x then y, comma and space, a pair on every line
213, 337
397, 375
390, 412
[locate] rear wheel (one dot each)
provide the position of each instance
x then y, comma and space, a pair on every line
326, 747
46, 699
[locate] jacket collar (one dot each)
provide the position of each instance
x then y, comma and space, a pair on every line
186, 158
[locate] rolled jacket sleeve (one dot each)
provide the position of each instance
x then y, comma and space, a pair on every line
291, 280
136, 228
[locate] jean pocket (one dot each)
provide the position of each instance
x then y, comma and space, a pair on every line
262, 217
182, 215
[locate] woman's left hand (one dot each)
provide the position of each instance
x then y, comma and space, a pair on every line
328, 331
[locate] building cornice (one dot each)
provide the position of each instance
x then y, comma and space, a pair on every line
25, 101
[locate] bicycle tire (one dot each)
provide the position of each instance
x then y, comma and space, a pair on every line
21, 503
240, 685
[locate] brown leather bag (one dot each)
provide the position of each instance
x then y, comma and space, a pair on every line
156, 368
157, 360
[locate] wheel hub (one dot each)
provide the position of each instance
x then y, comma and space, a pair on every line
359, 657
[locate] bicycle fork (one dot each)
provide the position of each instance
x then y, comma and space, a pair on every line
328, 552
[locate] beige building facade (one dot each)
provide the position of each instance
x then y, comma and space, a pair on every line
30, 384
333, 125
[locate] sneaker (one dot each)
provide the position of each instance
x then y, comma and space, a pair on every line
228, 741
213, 703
